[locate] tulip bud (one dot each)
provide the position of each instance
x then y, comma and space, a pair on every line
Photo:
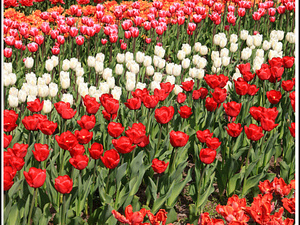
186, 48
233, 38
177, 89
197, 46
185, 63
67, 98
154, 85
100, 57
120, 58
119, 69
43, 90
13, 101
170, 79
130, 85
147, 61
233, 47
181, 55
54, 60
29, 62
66, 65
157, 77
244, 34
224, 52
177, 70
79, 72
140, 57
225, 60
107, 72
53, 89
149, 70
140, 85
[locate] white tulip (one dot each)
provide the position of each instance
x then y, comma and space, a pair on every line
29, 77
170, 79
233, 38
135, 68
130, 76
79, 72
41, 81
54, 60
266, 45
83, 89
79, 80
66, 65
157, 77
188, 79
13, 78
156, 60
278, 47
65, 83
200, 73
29, 62
260, 53
31, 98
100, 57
215, 69
185, 63
225, 60
128, 56
25, 87
22, 96
161, 64
177, 89
8, 67
202, 63
280, 35
217, 62
47, 78
73, 63
120, 58
181, 55
49, 65
67, 98
233, 47
111, 82
169, 68
130, 85
196, 59
203, 50
140, 57
147, 61
140, 85
249, 40
197, 47
246, 53
161, 52
33, 90
272, 54
99, 67
13, 101
119, 69
97, 95
228, 85
13, 91
177, 70
186, 48
223, 42
149, 70
291, 37
154, 84
107, 72
103, 87
91, 61
244, 34
92, 91
257, 39
53, 89
47, 107
6, 80
193, 72
224, 52
43, 90
116, 92
214, 55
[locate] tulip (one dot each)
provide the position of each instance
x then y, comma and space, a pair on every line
253, 132
232, 108
7, 139
83, 136
7, 52
123, 145
212, 143
78, 149
41, 152
63, 184
164, 114
207, 155
234, 130
79, 162
210, 104
178, 138
111, 158
64, 110
185, 111
66, 140
35, 177
159, 166
274, 96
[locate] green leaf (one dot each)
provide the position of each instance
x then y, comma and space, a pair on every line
232, 184
204, 197
251, 182
160, 201
14, 215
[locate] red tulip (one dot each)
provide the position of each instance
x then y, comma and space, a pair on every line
111, 158
203, 135
241, 86
210, 104
144, 142
212, 143
185, 111
264, 72
219, 95
8, 177
96, 150
87, 122
181, 97
17, 162
254, 132
35, 177
292, 129
19, 150
63, 184
115, 129
30, 123
213, 81
78, 149
288, 85
207, 155
66, 140
133, 103
83, 136
168, 87
79, 40
232, 108
252, 89
178, 138
292, 98
233, 129
92, 106
41, 152
32, 47
55, 50
150, 101
47, 127
200, 93
7, 52
10, 118
274, 96
64, 110
7, 139
35, 106
159, 166
162, 94
267, 124
136, 133
79, 162
187, 85
110, 104
123, 145
288, 61
164, 114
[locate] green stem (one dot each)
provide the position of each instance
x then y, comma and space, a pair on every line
31, 207
63, 216
199, 187
173, 159
159, 139
107, 181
